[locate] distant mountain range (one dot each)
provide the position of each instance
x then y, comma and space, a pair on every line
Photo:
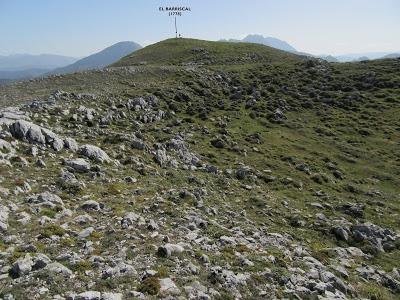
392, 55
282, 45
21, 66
18, 62
329, 58
267, 41
359, 56
22, 74
363, 56
101, 59
26, 66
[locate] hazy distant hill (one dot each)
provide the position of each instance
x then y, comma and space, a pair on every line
358, 56
361, 56
392, 55
268, 41
19, 62
22, 74
4, 81
101, 59
329, 58
24, 66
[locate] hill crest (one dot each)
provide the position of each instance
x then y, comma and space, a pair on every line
201, 52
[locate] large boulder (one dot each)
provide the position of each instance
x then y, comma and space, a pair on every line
46, 199
89, 295
168, 250
111, 296
10, 114
35, 134
22, 266
90, 205
161, 157
381, 238
71, 144
57, 268
26, 130
78, 164
94, 153
3, 217
5, 146
168, 287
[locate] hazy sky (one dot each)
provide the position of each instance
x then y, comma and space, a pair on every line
81, 27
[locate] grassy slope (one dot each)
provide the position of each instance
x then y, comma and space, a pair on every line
323, 124
181, 51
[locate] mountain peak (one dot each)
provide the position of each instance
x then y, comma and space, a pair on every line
267, 41
101, 59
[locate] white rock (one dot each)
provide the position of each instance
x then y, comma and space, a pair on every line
5, 146
35, 134
90, 205
89, 295
22, 266
78, 164
111, 296
169, 249
59, 269
71, 144
86, 232
168, 287
94, 153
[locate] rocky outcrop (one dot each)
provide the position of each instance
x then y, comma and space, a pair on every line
35, 134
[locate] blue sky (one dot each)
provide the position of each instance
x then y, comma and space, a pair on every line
81, 27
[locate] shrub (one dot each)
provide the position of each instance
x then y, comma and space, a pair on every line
51, 230
150, 285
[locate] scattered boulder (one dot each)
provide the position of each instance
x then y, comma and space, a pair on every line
168, 287
218, 143
22, 266
58, 268
138, 144
35, 134
91, 205
382, 239
4, 211
71, 144
94, 153
46, 199
111, 296
341, 233
85, 233
168, 250
352, 210
161, 157
78, 164
5, 147
89, 295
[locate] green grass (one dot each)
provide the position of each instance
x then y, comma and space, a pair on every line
323, 127
183, 51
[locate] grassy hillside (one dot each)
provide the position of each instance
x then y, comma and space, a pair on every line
191, 51
293, 154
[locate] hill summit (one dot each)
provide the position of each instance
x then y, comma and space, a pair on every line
191, 51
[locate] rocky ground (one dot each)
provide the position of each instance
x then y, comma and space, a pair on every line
114, 196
